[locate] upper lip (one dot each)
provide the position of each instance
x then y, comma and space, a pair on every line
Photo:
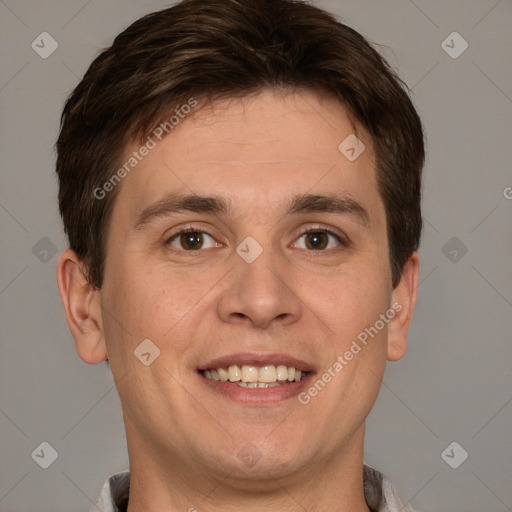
257, 359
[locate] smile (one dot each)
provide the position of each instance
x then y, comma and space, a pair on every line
250, 376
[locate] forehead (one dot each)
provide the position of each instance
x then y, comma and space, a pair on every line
257, 152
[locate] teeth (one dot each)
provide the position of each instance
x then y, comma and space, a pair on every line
256, 377
268, 374
234, 373
249, 373
282, 372
223, 374
256, 384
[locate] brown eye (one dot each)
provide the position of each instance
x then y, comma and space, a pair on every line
319, 240
191, 240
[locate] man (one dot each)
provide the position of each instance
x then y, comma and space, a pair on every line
240, 185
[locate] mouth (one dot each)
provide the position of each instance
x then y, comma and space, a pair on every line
256, 378
251, 376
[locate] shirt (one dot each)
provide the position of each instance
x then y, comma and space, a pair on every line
379, 492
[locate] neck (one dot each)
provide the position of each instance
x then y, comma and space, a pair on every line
175, 484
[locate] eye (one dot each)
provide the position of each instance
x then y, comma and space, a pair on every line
191, 239
317, 239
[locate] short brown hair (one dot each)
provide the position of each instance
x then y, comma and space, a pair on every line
228, 48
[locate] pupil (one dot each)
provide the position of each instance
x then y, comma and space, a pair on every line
191, 240
316, 240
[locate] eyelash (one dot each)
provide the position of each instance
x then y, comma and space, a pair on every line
343, 240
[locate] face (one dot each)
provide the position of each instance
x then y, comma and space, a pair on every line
282, 269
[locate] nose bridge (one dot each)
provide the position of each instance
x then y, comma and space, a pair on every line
259, 291
260, 272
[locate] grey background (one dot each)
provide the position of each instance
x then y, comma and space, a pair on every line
455, 382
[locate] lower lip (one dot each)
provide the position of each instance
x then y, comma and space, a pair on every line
259, 396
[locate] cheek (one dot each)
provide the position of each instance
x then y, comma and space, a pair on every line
149, 302
345, 301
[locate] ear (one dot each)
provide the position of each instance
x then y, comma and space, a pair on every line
403, 301
82, 307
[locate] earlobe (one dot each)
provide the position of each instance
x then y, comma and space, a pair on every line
403, 301
82, 308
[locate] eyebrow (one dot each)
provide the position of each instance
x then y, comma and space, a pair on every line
217, 205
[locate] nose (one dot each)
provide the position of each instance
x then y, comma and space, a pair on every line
260, 293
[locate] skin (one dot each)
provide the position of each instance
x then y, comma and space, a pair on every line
183, 438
